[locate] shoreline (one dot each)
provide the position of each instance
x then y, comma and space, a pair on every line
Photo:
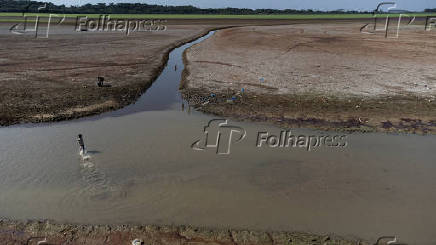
32, 231
320, 111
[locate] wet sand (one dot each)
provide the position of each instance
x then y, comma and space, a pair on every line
328, 76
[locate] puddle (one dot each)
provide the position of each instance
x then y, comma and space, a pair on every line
143, 170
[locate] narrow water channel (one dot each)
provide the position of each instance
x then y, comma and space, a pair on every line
143, 170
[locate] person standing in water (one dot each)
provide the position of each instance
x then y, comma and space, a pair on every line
81, 143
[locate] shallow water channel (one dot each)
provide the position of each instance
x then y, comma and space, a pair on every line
143, 169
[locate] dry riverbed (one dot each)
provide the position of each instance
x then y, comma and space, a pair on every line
328, 76
55, 79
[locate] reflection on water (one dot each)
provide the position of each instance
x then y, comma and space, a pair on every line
142, 169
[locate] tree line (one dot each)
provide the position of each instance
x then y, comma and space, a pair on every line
25, 6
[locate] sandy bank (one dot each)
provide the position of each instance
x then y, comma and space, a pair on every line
328, 76
30, 232
55, 79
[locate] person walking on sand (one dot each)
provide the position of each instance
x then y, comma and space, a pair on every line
81, 144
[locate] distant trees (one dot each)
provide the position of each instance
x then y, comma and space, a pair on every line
141, 8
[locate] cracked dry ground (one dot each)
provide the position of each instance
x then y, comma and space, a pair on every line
327, 76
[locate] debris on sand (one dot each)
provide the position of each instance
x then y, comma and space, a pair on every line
101, 84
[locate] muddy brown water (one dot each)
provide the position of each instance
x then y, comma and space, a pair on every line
143, 170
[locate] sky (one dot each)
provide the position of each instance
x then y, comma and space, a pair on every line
412, 5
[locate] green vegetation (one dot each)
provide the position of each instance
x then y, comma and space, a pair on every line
16, 8
27, 6
212, 16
